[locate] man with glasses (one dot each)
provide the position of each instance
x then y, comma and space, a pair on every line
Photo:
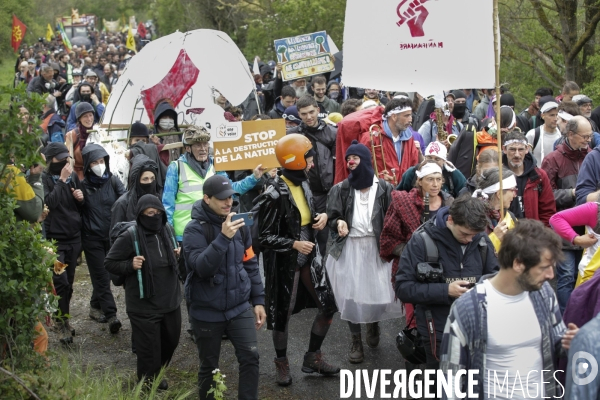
534, 199
562, 167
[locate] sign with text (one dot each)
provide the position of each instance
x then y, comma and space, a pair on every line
416, 49
304, 55
244, 145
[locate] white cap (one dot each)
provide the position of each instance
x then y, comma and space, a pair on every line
548, 106
436, 149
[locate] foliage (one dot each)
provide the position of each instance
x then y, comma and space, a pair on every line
218, 389
24, 255
67, 378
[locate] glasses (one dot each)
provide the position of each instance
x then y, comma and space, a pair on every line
586, 137
152, 213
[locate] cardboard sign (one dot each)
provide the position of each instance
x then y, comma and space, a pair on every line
304, 55
244, 145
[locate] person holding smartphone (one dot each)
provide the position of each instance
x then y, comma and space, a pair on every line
294, 274
223, 287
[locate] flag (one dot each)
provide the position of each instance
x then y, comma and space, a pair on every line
49, 33
18, 33
64, 37
142, 30
415, 49
130, 41
255, 68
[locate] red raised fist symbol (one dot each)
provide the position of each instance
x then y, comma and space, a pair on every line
414, 14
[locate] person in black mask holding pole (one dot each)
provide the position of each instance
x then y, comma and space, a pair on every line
153, 296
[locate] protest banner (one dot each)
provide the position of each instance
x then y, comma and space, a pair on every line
304, 55
418, 47
244, 145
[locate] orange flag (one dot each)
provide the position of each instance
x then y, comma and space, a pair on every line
18, 33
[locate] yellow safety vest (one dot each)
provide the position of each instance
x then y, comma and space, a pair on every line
190, 190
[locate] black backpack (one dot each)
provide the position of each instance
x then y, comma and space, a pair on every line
423, 112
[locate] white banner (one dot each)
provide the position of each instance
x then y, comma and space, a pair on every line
419, 46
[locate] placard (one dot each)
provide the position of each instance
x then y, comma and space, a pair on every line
304, 55
244, 145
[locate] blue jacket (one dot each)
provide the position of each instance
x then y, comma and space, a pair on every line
588, 180
586, 340
72, 120
172, 187
223, 278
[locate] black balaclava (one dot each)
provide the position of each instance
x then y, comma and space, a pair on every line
298, 176
146, 188
459, 110
362, 176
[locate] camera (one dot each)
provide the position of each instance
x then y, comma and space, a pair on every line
430, 273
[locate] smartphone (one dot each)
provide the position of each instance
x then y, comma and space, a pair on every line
469, 286
247, 217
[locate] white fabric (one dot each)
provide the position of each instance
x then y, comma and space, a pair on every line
397, 110
565, 115
514, 345
589, 253
428, 169
361, 224
551, 105
545, 144
514, 116
436, 149
507, 183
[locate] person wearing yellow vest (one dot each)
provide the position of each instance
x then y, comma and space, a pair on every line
186, 176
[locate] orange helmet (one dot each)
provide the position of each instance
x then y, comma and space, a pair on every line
290, 151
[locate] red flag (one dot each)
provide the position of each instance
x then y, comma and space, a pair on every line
18, 33
141, 30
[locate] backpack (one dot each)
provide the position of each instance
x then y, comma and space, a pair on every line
536, 137
423, 112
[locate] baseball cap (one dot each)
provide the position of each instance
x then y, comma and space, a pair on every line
56, 149
551, 105
219, 187
581, 99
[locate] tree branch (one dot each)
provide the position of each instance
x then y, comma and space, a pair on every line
589, 32
20, 382
537, 6
547, 61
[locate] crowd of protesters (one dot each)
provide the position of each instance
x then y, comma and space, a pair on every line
336, 231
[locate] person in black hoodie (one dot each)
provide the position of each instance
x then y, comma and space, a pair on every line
458, 233
152, 290
165, 120
141, 181
102, 189
64, 197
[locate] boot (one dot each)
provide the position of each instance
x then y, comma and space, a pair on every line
357, 354
283, 371
373, 335
114, 324
314, 362
96, 315
66, 338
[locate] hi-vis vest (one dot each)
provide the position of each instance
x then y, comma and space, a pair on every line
190, 190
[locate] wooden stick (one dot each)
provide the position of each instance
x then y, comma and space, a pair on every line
497, 108
20, 382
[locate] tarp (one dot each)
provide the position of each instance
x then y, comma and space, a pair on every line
222, 68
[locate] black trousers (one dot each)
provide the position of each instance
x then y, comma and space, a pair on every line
156, 338
102, 297
433, 347
63, 283
242, 334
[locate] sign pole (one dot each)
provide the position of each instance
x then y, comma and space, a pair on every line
497, 108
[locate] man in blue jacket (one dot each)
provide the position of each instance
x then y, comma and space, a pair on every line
223, 287
465, 253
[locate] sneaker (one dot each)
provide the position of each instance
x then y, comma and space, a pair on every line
373, 332
96, 315
357, 354
114, 324
282, 366
314, 362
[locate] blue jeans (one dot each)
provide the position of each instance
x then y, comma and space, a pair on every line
565, 276
242, 333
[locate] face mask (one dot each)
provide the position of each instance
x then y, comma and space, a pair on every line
149, 188
166, 123
86, 98
152, 224
459, 110
49, 85
334, 95
99, 169
56, 168
301, 91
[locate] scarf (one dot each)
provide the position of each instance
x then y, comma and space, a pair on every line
362, 176
199, 167
404, 136
98, 180
83, 135
296, 177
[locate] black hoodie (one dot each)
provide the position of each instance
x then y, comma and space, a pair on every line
63, 223
165, 108
100, 194
124, 208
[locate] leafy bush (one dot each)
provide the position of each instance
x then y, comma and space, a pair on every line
25, 261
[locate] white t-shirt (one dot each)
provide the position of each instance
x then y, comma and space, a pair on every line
545, 143
514, 347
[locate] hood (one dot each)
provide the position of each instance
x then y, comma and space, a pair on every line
151, 151
93, 152
137, 163
528, 163
570, 153
161, 109
84, 83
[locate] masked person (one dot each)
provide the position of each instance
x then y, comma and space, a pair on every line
102, 190
287, 233
356, 208
64, 197
139, 144
152, 297
165, 121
